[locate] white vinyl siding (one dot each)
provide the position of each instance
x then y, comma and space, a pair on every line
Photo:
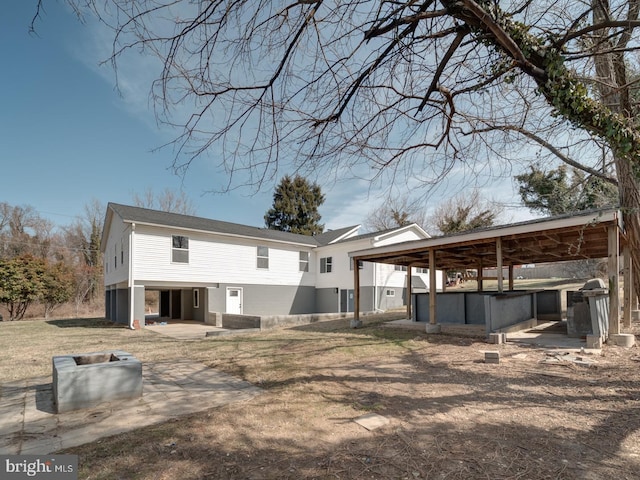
214, 260
118, 235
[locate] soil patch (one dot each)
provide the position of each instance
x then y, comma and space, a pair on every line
450, 414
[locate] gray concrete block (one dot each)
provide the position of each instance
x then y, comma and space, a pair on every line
492, 357
626, 340
88, 379
498, 338
433, 328
594, 341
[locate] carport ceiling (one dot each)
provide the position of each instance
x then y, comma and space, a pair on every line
556, 239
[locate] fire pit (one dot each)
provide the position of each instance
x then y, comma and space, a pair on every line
88, 379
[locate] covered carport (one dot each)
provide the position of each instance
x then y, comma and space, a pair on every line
586, 235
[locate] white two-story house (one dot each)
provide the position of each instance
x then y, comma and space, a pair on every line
201, 267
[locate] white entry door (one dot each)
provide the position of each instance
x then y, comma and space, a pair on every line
234, 300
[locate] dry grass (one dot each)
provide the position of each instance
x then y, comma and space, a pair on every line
452, 416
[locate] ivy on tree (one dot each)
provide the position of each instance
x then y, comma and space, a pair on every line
295, 207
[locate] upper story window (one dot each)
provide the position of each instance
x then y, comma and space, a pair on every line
304, 262
263, 257
326, 264
400, 268
179, 249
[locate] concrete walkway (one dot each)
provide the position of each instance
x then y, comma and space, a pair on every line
29, 424
183, 330
192, 330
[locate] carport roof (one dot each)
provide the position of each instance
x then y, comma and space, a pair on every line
569, 237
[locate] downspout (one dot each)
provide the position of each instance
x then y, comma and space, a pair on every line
130, 280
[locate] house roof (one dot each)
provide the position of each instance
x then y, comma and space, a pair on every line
383, 233
146, 216
334, 236
568, 237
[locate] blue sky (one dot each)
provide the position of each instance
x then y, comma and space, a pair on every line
67, 137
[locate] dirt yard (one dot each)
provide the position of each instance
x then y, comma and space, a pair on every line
451, 416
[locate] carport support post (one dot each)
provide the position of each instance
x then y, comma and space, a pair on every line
480, 276
499, 265
409, 284
510, 277
355, 321
432, 326
628, 286
614, 282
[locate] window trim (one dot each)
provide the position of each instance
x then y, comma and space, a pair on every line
180, 249
303, 264
390, 292
262, 257
326, 264
196, 298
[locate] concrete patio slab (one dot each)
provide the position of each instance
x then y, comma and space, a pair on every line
29, 424
184, 330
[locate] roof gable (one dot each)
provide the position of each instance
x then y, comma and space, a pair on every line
334, 236
388, 233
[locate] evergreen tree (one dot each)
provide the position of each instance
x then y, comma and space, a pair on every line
465, 212
556, 192
295, 207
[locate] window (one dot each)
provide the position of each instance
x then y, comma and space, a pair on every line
326, 264
400, 268
304, 262
391, 293
263, 257
121, 252
360, 264
196, 298
180, 249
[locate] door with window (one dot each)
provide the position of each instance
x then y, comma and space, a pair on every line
234, 300
346, 301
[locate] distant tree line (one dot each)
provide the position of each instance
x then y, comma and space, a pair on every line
40, 264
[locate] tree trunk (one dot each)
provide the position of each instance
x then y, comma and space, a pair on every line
629, 189
611, 80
